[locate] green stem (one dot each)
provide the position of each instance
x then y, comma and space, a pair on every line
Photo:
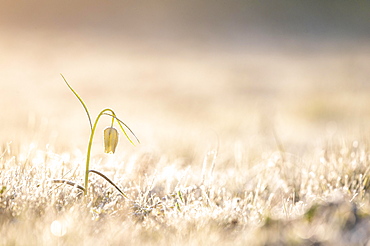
112, 122
90, 145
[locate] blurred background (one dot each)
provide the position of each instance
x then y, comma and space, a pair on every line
186, 76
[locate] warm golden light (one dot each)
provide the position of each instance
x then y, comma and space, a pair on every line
253, 118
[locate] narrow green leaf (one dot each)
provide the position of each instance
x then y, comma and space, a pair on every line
68, 182
111, 182
80, 99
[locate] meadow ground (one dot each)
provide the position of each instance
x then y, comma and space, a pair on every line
238, 147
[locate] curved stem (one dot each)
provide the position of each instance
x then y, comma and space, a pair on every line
90, 145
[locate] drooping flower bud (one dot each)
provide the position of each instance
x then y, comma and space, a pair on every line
110, 140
